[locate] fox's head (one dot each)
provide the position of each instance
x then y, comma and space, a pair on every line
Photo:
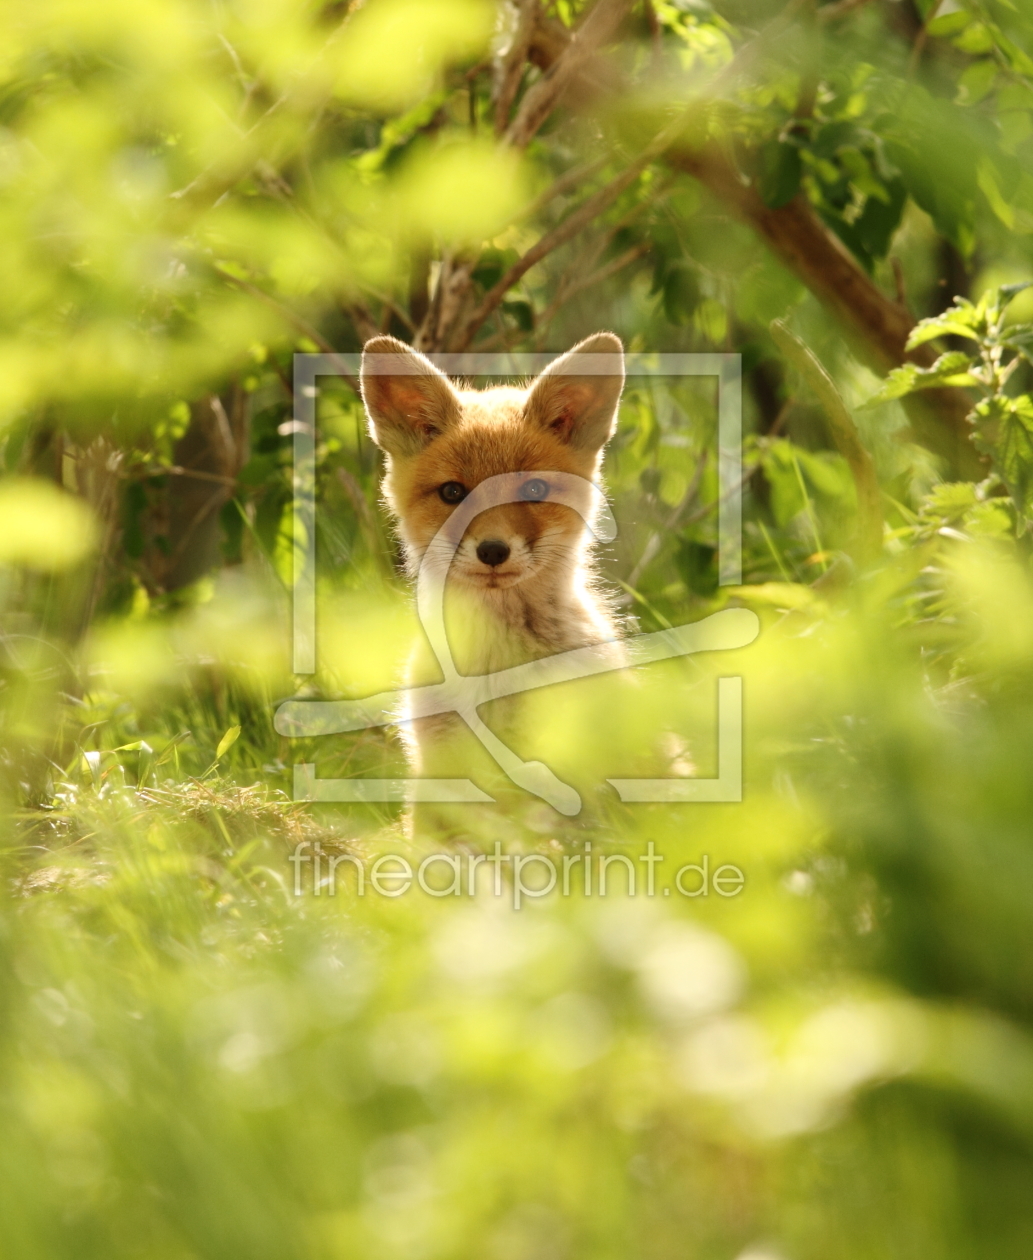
441, 441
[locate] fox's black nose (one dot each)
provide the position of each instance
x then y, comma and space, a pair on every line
492, 552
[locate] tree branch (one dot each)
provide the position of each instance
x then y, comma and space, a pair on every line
539, 101
444, 324
508, 68
559, 235
799, 239
879, 325
570, 226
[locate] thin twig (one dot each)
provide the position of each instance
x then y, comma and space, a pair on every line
582, 265
386, 300
656, 537
698, 515
551, 241
747, 53
175, 470
833, 12
362, 318
783, 415
563, 184
707, 508
920, 40
297, 320
201, 178
597, 277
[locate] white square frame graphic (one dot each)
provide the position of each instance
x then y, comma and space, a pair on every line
727, 368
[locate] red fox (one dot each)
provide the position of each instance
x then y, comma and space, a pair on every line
522, 584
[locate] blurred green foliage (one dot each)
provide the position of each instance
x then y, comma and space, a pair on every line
197, 1062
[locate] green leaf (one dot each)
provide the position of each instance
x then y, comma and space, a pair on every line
939, 326
1009, 291
949, 23
171, 747
950, 500
992, 519
522, 314
91, 764
794, 473
491, 265
988, 180
881, 218
697, 566
227, 741
976, 82
975, 40
1019, 337
679, 285
951, 369
787, 497
780, 169
1005, 432
936, 147
900, 382
868, 236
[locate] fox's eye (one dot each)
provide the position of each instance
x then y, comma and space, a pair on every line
534, 490
452, 492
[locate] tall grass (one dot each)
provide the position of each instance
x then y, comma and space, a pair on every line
197, 1061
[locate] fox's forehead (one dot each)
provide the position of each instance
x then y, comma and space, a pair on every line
501, 404
479, 447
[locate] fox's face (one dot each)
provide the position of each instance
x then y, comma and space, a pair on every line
442, 442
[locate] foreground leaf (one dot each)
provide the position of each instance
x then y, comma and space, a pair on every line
1005, 433
227, 741
930, 329
949, 369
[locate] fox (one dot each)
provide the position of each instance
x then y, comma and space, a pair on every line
523, 582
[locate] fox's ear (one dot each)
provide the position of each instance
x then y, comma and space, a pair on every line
576, 397
408, 401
